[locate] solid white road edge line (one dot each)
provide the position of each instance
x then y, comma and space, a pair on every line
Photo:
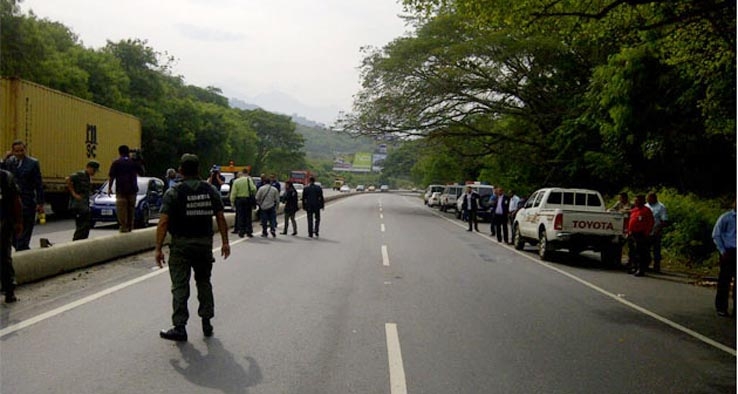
602, 291
394, 356
385, 256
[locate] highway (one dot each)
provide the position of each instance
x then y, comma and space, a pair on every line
394, 297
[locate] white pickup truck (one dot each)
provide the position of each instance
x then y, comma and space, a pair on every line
573, 219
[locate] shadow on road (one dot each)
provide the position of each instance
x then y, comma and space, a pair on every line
218, 369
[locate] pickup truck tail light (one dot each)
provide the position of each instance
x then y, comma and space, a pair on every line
559, 222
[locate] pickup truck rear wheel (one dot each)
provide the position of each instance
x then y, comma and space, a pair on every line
543, 248
518, 239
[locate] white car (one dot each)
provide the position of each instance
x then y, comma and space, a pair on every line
434, 199
384, 188
345, 189
430, 190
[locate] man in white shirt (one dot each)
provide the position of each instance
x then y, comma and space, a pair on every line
660, 220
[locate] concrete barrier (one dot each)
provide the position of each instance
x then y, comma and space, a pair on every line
36, 264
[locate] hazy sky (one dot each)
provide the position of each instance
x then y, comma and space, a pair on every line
251, 49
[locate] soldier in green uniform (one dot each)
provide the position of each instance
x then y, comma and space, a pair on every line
187, 214
80, 188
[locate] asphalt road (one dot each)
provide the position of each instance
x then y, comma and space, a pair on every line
392, 298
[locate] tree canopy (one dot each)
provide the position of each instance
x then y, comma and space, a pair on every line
605, 94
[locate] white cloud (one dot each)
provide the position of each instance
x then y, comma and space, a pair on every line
308, 49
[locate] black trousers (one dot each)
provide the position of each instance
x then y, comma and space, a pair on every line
82, 224
641, 250
725, 278
244, 223
23, 241
313, 221
500, 225
471, 217
7, 273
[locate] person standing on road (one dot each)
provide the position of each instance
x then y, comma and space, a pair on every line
723, 234
242, 199
492, 204
660, 220
187, 214
469, 206
274, 182
313, 202
501, 211
290, 207
624, 206
640, 225
172, 178
124, 172
80, 188
513, 207
11, 223
27, 173
267, 198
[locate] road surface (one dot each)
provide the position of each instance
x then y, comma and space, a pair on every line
392, 298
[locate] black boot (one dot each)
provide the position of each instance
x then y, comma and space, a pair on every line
10, 297
176, 333
207, 328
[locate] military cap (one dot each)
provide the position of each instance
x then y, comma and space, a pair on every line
189, 158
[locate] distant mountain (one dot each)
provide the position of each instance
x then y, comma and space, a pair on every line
238, 103
320, 142
283, 103
299, 119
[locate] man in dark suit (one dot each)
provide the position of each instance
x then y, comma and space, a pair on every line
500, 212
469, 206
312, 202
27, 173
10, 224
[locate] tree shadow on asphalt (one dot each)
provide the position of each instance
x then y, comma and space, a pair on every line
217, 369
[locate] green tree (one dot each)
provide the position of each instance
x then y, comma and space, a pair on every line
279, 147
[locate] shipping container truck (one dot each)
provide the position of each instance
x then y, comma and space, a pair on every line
63, 132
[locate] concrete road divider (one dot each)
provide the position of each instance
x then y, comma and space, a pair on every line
36, 264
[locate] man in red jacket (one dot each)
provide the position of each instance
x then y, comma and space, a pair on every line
640, 225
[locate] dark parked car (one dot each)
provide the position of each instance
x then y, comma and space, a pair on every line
148, 202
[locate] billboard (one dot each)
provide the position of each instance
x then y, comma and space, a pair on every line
362, 161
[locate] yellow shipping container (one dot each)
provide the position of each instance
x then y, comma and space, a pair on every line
63, 132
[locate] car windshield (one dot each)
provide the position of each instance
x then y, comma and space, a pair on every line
143, 186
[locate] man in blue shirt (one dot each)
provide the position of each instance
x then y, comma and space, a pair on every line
724, 236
